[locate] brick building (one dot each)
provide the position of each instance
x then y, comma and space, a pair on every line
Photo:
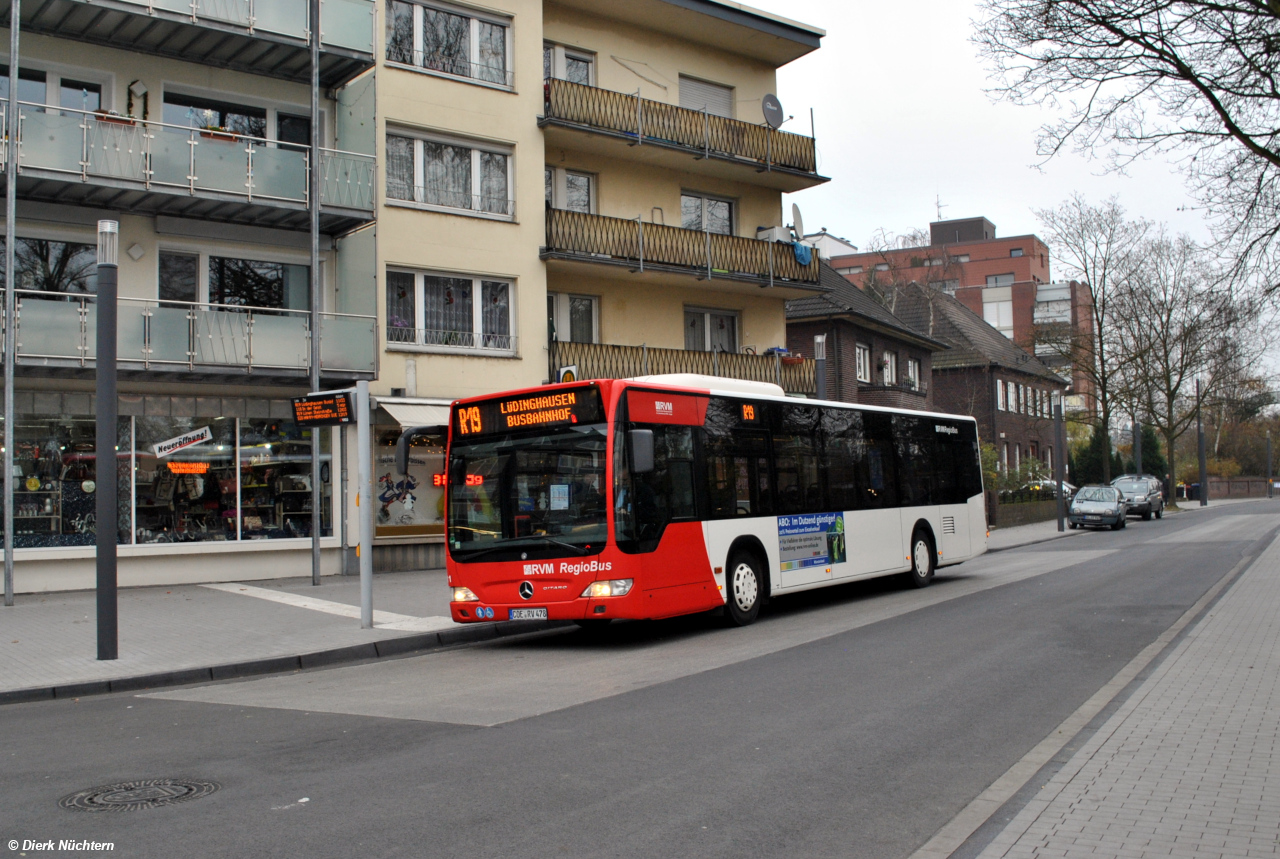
1006, 281
872, 357
983, 374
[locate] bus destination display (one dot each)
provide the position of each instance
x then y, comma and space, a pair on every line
323, 410
579, 405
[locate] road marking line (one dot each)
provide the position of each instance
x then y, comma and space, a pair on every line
956, 832
381, 619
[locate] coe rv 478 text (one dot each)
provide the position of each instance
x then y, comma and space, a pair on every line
634, 499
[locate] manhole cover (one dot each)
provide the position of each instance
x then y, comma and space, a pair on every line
138, 795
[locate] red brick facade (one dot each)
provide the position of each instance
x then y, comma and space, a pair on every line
843, 337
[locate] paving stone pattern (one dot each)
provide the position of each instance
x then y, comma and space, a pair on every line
1190, 764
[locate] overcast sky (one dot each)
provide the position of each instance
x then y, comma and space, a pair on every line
902, 118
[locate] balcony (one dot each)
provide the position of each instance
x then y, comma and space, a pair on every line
658, 249
263, 37
600, 361
142, 167
667, 135
56, 333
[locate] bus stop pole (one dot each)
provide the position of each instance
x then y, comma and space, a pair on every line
1059, 461
364, 503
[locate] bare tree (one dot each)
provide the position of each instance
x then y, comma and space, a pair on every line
1181, 321
1097, 244
1195, 78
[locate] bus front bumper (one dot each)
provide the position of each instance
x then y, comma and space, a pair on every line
576, 609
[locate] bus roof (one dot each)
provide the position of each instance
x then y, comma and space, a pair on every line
714, 386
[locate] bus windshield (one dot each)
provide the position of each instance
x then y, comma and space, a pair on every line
528, 495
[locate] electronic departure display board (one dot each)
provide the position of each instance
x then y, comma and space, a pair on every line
323, 410
529, 411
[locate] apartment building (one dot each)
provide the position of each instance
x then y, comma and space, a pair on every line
1005, 280
574, 189
190, 124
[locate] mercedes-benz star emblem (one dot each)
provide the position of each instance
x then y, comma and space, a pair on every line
526, 590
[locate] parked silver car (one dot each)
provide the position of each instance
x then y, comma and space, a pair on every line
1144, 495
1098, 507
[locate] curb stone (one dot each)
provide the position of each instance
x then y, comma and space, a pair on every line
391, 647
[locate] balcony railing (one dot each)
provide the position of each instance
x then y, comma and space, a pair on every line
466, 340
59, 329
177, 159
645, 121
597, 238
601, 361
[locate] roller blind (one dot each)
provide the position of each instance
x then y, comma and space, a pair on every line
696, 94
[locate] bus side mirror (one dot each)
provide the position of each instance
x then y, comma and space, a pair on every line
406, 440
641, 444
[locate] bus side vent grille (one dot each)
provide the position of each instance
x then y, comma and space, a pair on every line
948, 524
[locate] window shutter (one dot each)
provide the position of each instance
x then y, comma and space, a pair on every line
696, 94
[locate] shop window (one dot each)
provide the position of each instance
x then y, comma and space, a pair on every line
49, 266
55, 481
187, 495
413, 503
275, 480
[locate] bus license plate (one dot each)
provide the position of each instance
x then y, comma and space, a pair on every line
527, 614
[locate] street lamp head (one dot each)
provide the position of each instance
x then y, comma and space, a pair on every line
108, 242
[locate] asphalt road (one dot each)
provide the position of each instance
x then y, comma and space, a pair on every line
848, 722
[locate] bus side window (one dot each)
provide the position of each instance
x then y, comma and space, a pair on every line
796, 460
879, 477
646, 503
843, 448
913, 443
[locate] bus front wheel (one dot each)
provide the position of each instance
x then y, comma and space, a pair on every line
922, 559
745, 585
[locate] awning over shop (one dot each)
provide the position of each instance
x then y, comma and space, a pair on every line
416, 414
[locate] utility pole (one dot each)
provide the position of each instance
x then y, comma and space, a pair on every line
1204, 470
313, 194
1060, 461
10, 281
106, 474
1270, 494
1137, 447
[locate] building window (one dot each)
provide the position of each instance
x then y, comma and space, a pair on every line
192, 112
449, 175
460, 312
706, 213
853, 269
1000, 398
573, 318
79, 95
710, 330
882, 266
999, 315
566, 64
50, 266
232, 281
999, 280
1015, 252
863, 358
889, 364
913, 373
1004, 457
715, 99
961, 258
449, 41
33, 85
569, 189
1017, 456
1048, 458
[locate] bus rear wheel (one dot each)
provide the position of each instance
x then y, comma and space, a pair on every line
745, 586
922, 559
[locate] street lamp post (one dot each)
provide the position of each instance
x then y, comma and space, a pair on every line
1059, 461
1270, 494
1204, 469
10, 302
105, 478
1137, 447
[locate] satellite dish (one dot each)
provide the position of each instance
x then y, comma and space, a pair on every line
772, 110
797, 222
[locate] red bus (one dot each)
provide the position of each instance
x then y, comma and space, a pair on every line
669, 495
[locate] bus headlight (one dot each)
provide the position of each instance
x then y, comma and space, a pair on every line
464, 595
610, 588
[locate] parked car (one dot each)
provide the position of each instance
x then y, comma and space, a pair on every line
1144, 494
1098, 507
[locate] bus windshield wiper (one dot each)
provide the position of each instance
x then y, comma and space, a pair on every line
549, 540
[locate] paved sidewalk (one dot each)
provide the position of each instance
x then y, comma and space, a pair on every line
1189, 765
49, 640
